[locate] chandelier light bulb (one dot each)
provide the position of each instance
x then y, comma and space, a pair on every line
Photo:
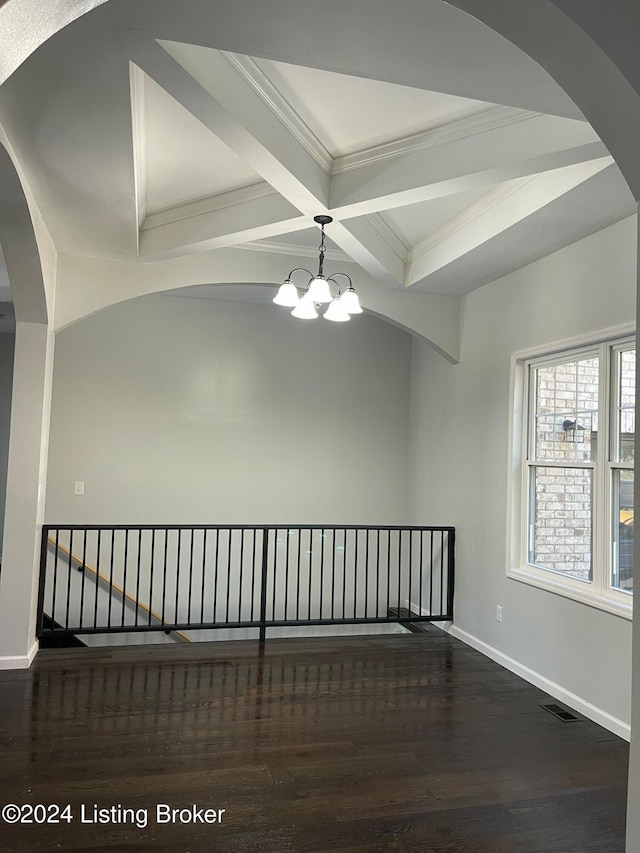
319, 290
305, 309
287, 295
350, 301
337, 312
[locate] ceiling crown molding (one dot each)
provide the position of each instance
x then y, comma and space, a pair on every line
278, 104
389, 235
494, 197
220, 201
485, 120
139, 132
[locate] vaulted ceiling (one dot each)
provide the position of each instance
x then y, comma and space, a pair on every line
154, 131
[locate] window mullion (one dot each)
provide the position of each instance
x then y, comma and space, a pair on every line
601, 486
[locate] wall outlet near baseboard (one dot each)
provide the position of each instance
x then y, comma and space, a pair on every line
499, 612
78, 488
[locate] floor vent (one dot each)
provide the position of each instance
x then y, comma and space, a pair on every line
561, 713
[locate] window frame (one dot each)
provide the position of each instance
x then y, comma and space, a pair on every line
598, 592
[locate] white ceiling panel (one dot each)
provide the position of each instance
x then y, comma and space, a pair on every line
350, 114
414, 222
184, 160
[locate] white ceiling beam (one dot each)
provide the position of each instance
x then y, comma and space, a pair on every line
492, 215
297, 179
527, 147
200, 226
364, 243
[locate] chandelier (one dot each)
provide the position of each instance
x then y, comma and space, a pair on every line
318, 290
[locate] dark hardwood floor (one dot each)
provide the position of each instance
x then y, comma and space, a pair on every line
394, 744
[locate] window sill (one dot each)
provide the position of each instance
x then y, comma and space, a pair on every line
587, 596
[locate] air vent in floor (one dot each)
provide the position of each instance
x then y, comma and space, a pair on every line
561, 713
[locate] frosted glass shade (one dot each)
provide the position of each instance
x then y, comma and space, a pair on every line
350, 301
319, 290
287, 295
305, 309
337, 312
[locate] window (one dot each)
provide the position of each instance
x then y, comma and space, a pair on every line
575, 513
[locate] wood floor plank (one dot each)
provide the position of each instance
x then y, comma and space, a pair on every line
391, 744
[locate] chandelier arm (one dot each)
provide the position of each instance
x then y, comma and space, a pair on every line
332, 278
300, 269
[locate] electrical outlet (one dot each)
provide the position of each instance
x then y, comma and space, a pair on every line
78, 488
499, 613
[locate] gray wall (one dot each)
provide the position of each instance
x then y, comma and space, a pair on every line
7, 344
460, 464
175, 409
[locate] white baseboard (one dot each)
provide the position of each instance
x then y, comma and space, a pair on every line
19, 661
607, 721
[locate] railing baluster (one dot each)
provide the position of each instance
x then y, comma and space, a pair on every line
344, 571
441, 571
215, 582
286, 581
388, 570
204, 567
178, 555
111, 561
84, 573
66, 618
253, 574
97, 585
55, 576
333, 574
274, 581
411, 570
431, 578
241, 576
164, 574
263, 586
189, 594
421, 568
228, 574
378, 574
298, 576
355, 574
399, 567
310, 569
152, 560
366, 577
124, 578
321, 571
138, 574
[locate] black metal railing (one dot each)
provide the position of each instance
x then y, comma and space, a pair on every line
96, 579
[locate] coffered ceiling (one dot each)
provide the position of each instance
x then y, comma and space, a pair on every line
417, 181
155, 132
